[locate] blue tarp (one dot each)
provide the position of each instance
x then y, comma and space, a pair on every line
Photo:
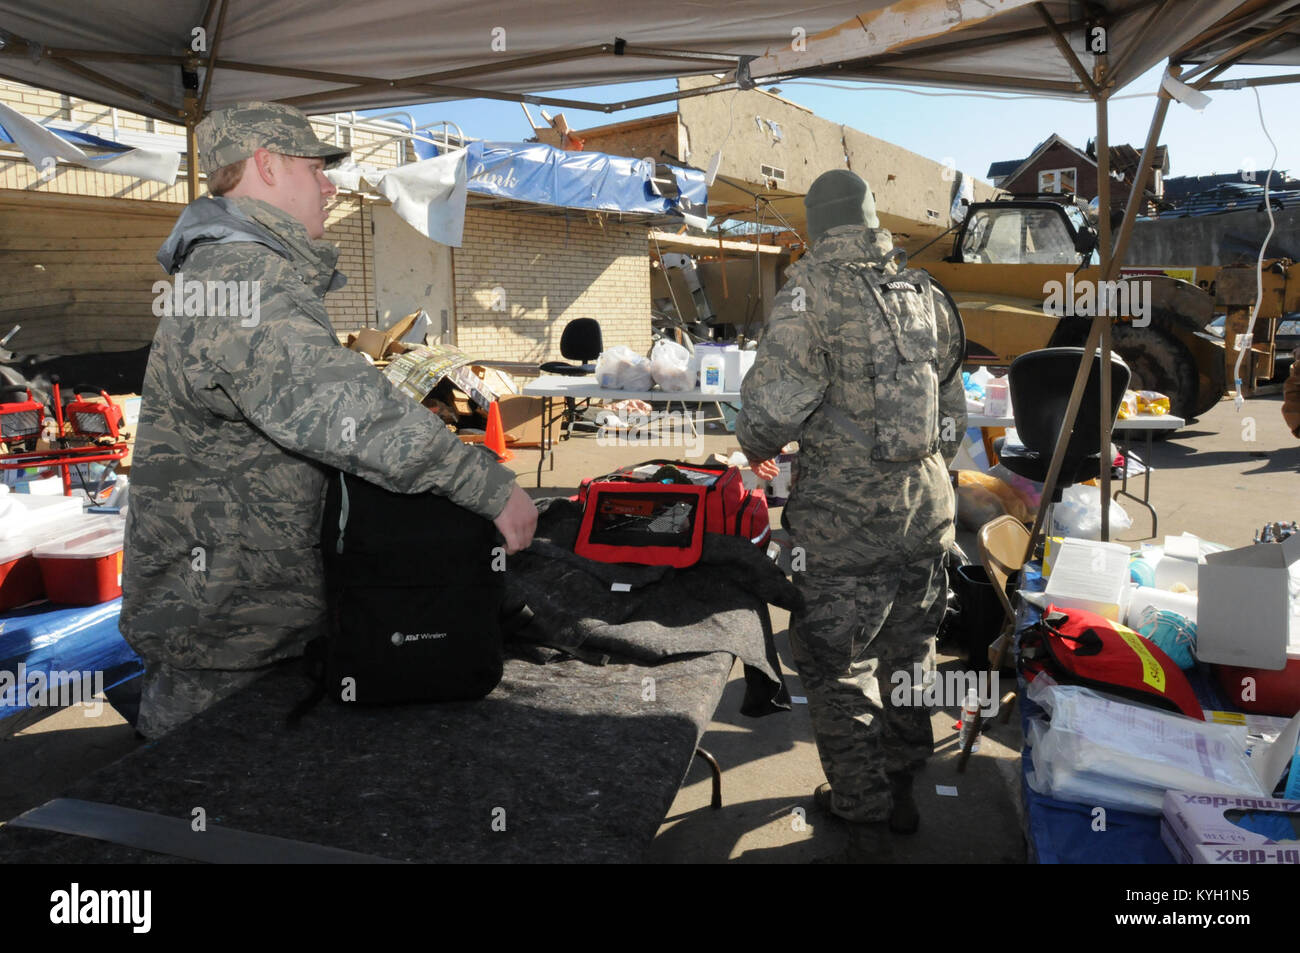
49, 639
538, 173
1061, 832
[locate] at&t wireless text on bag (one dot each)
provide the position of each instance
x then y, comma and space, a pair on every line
415, 603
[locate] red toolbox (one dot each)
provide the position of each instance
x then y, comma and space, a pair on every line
84, 568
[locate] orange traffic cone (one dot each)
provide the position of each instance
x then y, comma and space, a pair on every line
496, 437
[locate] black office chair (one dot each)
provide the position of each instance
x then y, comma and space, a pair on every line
1040, 383
579, 341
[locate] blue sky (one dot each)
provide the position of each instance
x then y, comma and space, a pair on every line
974, 130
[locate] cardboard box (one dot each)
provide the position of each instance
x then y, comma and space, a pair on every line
378, 343
1087, 574
1197, 830
521, 418
130, 404
1244, 613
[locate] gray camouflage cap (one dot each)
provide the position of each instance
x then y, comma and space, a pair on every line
236, 132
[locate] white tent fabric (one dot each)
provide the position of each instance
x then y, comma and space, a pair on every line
1013, 50
352, 55
383, 39
428, 195
43, 149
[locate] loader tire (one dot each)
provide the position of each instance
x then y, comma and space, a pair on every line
1161, 363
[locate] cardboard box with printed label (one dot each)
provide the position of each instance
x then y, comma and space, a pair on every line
1219, 829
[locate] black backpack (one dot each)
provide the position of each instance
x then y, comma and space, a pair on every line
415, 588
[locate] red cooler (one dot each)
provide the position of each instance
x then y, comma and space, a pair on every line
84, 568
20, 577
42, 519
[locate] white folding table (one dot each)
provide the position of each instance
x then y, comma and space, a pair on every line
1125, 429
569, 388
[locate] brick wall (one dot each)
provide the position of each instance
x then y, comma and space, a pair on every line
551, 270
348, 226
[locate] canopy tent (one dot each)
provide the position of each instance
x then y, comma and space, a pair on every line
155, 59
137, 53
1023, 47
175, 61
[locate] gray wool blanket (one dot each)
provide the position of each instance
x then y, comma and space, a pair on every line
605, 612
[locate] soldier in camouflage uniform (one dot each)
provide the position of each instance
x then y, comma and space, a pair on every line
860, 362
248, 399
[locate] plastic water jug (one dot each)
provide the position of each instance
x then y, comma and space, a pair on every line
713, 372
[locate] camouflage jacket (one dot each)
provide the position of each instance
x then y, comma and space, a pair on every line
246, 403
817, 379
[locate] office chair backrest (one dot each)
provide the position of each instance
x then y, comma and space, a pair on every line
581, 340
1040, 383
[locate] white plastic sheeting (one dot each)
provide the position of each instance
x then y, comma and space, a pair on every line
44, 149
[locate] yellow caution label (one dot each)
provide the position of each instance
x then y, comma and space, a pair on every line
1152, 673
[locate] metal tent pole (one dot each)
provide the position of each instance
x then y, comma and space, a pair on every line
1104, 248
1109, 269
191, 148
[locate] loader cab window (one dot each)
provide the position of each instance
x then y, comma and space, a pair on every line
1018, 236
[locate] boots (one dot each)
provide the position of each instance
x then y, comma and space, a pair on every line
822, 798
904, 818
869, 843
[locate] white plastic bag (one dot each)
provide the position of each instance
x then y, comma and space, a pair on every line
1079, 513
670, 363
1100, 750
621, 368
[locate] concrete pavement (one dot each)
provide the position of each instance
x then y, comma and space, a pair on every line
1221, 478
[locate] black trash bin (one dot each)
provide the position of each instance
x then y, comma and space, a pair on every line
981, 613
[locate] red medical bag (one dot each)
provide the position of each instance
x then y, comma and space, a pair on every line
660, 518
1077, 647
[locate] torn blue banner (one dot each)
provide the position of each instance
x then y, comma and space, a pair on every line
538, 173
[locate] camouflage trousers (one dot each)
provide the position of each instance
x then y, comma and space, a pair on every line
854, 634
172, 696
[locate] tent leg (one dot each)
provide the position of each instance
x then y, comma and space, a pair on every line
1110, 269
1104, 249
191, 160
1063, 436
